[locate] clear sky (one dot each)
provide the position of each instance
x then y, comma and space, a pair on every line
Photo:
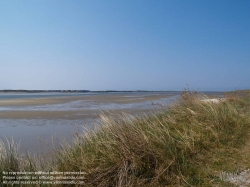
125, 44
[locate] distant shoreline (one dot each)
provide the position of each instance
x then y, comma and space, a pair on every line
76, 91
89, 91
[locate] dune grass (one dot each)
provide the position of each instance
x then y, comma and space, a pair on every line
186, 144
181, 145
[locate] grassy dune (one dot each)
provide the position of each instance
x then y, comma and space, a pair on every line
186, 144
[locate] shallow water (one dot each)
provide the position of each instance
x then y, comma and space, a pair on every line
35, 135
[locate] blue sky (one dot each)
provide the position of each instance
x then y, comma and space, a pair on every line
125, 44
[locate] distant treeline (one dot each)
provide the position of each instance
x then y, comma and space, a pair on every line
70, 91
38, 91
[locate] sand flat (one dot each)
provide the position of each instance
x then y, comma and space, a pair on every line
20, 108
30, 119
119, 98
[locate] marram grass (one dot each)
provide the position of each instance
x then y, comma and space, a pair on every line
166, 148
185, 144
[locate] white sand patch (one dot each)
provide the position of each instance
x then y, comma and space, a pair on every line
213, 100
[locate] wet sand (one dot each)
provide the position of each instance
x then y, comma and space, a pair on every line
120, 99
34, 121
